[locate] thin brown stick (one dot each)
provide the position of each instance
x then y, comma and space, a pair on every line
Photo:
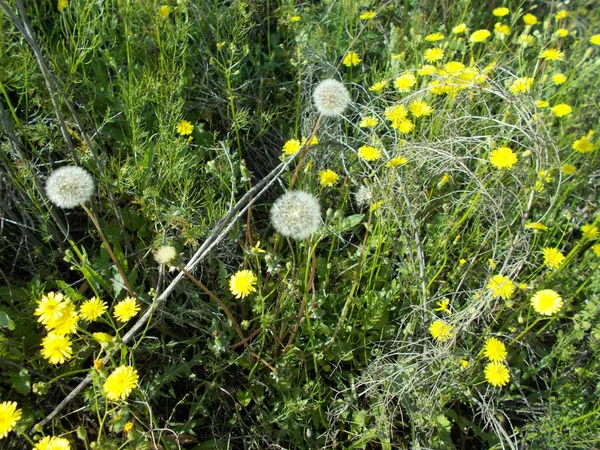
218, 302
109, 250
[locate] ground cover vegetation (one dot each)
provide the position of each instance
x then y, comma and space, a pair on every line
292, 224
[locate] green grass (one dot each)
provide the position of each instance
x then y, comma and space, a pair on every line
334, 349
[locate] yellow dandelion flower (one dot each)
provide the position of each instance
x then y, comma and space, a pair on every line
405, 82
530, 19
52, 443
568, 169
368, 122
368, 15
66, 321
562, 32
454, 67
495, 350
91, 309
61, 4
420, 108
434, 37
547, 302
120, 383
462, 261
521, 85
102, 338
501, 30
128, 427
294, 19
464, 363
590, 231
440, 330
503, 158
328, 177
185, 128
501, 287
553, 257
523, 286
443, 306
427, 70
126, 309
583, 145
369, 153
526, 40
242, 283
479, 36
458, 29
496, 374
49, 307
351, 59
542, 104
561, 110
595, 39
559, 78
291, 147
164, 11
433, 54
536, 226
500, 12
375, 206
403, 126
561, 14
56, 348
379, 86
596, 249
552, 54
396, 161
9, 416
396, 113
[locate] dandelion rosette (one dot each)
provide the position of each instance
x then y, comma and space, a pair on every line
120, 383
296, 214
547, 302
242, 283
331, 98
70, 186
9, 416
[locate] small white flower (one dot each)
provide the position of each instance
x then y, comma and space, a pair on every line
331, 97
165, 254
69, 186
296, 214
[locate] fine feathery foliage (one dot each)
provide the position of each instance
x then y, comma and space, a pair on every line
311, 225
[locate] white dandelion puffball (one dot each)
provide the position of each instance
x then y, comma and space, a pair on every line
331, 97
296, 214
363, 196
165, 254
69, 186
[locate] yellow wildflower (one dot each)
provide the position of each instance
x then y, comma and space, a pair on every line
242, 283
328, 177
351, 59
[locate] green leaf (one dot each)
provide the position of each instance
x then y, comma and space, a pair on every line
5, 321
21, 381
244, 397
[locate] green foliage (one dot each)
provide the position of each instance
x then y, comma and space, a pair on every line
335, 347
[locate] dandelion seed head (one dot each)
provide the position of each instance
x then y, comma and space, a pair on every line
331, 97
165, 254
69, 186
296, 214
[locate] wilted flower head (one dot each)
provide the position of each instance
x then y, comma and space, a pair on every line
69, 186
296, 214
331, 97
165, 254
